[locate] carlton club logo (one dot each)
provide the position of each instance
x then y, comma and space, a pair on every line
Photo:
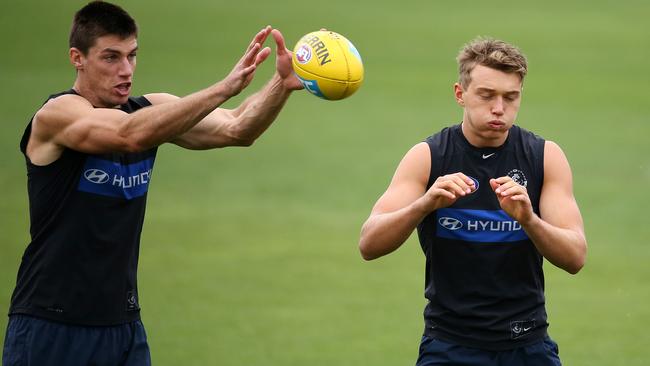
303, 54
450, 223
519, 177
96, 176
520, 328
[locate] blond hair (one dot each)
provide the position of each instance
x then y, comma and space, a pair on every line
492, 53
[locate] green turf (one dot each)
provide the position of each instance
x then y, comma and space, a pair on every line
249, 255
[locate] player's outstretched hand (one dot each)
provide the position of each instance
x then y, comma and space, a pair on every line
513, 198
283, 63
243, 72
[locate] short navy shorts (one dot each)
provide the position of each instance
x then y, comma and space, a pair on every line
37, 342
436, 352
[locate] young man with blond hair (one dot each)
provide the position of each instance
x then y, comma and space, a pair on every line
490, 201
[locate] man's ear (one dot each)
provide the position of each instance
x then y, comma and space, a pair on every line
458, 93
76, 58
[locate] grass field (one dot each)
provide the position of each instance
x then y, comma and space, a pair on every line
249, 256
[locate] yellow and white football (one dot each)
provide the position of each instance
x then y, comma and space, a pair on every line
328, 65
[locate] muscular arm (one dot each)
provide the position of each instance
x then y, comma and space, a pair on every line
237, 127
71, 121
558, 233
244, 124
406, 202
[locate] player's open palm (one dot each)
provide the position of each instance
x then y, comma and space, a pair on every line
513, 198
283, 63
242, 74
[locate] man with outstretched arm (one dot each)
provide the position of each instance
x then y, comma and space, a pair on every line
90, 153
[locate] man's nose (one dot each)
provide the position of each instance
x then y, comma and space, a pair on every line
126, 67
497, 107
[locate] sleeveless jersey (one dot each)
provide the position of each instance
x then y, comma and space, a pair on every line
484, 278
86, 216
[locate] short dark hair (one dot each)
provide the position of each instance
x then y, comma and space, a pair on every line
97, 19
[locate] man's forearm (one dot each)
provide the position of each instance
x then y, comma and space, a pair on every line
385, 232
565, 248
258, 111
155, 125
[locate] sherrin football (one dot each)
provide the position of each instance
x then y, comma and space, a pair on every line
328, 65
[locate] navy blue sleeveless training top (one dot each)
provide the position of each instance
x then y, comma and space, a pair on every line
484, 278
86, 214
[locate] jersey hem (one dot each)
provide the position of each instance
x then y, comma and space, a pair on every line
50, 316
530, 339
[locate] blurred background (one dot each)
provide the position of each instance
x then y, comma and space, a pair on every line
249, 255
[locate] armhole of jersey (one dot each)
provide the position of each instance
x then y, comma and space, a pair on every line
25, 138
28, 130
435, 162
539, 146
541, 162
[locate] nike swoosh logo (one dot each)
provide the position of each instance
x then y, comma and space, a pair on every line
527, 329
487, 156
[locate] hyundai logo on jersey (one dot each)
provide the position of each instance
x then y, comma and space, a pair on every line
96, 176
450, 223
110, 178
484, 226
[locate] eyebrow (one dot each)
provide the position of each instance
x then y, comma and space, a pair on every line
113, 50
490, 90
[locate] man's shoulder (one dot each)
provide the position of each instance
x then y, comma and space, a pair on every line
521, 139
61, 93
58, 106
63, 99
525, 133
442, 134
442, 140
53, 116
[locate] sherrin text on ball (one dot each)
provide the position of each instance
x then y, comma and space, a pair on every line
328, 65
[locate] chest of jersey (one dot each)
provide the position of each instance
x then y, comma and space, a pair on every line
478, 216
